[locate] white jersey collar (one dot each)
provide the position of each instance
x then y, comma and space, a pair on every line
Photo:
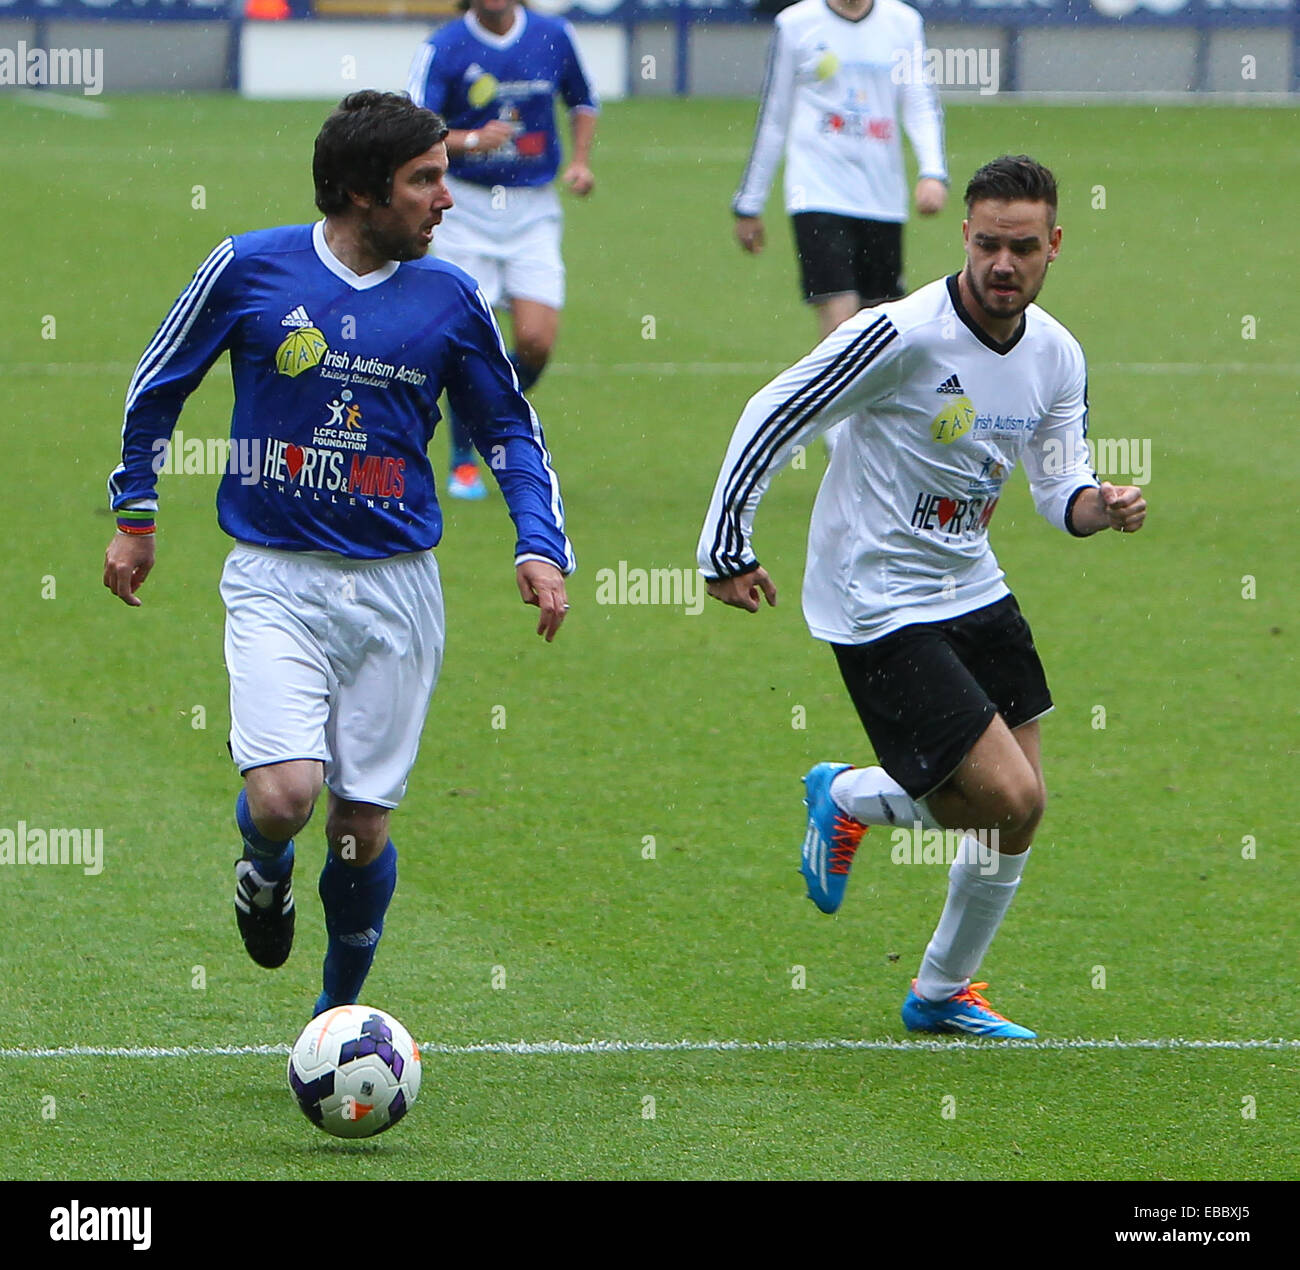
480, 32
968, 321
357, 281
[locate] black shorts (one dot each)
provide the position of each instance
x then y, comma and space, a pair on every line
847, 253
926, 693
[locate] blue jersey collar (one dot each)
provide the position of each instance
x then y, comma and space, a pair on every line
480, 32
357, 281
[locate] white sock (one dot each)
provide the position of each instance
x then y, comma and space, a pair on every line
873, 797
979, 895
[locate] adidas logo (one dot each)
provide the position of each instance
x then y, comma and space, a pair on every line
951, 385
298, 318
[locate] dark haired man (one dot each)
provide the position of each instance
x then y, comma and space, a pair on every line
341, 337
945, 392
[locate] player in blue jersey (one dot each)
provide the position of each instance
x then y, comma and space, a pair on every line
341, 337
495, 75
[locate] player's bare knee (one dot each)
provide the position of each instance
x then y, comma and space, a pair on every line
357, 833
1021, 806
358, 850
282, 796
280, 810
1040, 806
1010, 807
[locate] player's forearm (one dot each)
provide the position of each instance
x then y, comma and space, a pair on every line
146, 437
533, 500
583, 125
754, 456
923, 123
191, 337
1086, 514
531, 491
770, 132
760, 169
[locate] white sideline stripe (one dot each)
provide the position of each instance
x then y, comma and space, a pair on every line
710, 368
769, 368
66, 103
529, 1048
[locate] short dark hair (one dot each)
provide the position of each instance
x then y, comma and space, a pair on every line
1014, 176
364, 141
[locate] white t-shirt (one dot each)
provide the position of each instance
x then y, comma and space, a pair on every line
936, 418
831, 100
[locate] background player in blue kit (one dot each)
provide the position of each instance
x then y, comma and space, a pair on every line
341, 336
495, 75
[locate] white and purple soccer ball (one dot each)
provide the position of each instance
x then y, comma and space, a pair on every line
355, 1071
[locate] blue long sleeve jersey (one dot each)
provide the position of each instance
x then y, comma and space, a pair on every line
469, 76
337, 378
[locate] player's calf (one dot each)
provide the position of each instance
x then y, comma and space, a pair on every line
356, 887
275, 803
264, 908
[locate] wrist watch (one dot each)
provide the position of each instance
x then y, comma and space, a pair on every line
471, 141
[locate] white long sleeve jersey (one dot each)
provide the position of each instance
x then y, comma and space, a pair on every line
831, 99
937, 417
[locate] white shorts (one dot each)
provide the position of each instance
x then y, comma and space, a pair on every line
508, 241
334, 660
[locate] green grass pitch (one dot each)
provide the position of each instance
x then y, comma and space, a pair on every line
523, 847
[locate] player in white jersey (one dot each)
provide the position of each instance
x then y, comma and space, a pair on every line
831, 101
942, 394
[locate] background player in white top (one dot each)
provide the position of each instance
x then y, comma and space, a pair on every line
942, 394
495, 75
831, 101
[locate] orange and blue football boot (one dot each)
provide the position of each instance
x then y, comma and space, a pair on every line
966, 1012
830, 841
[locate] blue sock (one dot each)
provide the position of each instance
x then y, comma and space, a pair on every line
462, 446
274, 860
527, 375
355, 901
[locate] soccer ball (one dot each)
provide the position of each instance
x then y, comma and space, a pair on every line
355, 1071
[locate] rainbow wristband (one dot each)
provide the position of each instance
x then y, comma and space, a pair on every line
135, 522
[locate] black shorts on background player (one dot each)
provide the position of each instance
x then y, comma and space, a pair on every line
847, 253
927, 692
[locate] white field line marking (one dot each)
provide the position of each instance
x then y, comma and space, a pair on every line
563, 1048
770, 368
67, 368
64, 102
709, 368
